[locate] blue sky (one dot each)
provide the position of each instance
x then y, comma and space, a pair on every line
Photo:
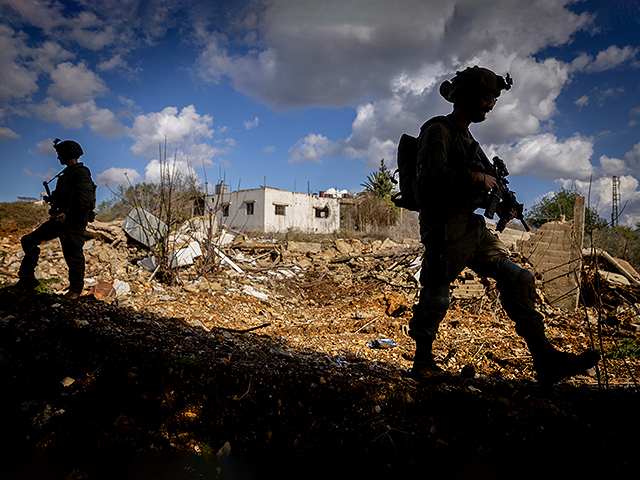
312, 95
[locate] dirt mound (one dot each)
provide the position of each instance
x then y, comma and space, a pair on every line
120, 392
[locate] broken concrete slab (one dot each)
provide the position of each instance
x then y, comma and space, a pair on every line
144, 227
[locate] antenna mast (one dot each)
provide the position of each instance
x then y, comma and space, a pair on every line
615, 190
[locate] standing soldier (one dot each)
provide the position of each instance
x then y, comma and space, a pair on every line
449, 189
72, 204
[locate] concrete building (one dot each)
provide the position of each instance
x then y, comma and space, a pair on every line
271, 210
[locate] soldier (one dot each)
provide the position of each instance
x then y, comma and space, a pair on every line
72, 204
449, 191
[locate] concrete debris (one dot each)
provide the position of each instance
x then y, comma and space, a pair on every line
119, 264
144, 227
185, 255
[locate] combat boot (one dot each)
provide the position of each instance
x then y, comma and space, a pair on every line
553, 365
424, 365
27, 283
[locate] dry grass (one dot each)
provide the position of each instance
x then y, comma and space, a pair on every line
23, 214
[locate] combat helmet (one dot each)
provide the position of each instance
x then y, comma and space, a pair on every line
67, 149
475, 79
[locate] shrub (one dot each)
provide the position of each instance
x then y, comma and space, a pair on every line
23, 214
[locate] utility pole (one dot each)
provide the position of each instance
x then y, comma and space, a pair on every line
615, 190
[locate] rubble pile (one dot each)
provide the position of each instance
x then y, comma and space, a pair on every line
281, 353
334, 296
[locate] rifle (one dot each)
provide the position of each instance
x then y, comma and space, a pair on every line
501, 193
48, 198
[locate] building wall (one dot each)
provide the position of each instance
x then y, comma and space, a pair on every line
553, 253
299, 211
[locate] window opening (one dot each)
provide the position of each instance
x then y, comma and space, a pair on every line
322, 212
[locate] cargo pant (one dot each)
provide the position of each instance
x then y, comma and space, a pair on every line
72, 240
464, 241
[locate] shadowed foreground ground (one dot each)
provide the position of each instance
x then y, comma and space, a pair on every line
108, 392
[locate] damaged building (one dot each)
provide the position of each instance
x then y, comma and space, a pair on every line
267, 209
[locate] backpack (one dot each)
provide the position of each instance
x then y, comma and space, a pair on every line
91, 215
92, 211
407, 164
407, 167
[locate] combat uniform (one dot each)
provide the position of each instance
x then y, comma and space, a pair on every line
455, 237
74, 196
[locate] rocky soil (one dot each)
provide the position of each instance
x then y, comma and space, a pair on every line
280, 372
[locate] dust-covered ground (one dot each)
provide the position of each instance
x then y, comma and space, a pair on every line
223, 383
126, 393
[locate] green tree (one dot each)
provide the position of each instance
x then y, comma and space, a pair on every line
561, 203
380, 183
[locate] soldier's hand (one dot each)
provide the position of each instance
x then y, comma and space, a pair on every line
61, 217
501, 210
489, 182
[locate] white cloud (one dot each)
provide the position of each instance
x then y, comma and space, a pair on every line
311, 149
269, 149
7, 133
626, 169
16, 81
607, 59
90, 31
117, 64
252, 124
115, 176
101, 121
46, 56
613, 166
583, 101
186, 133
601, 198
332, 54
41, 14
45, 147
75, 83
155, 170
546, 156
612, 57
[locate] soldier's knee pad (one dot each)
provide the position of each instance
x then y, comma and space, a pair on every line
510, 272
435, 300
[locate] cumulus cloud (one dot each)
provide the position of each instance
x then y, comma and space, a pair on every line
16, 80
186, 133
155, 170
385, 60
600, 186
7, 133
45, 147
252, 124
583, 101
628, 165
612, 57
90, 31
311, 148
304, 53
100, 120
116, 176
546, 156
601, 197
75, 83
269, 149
